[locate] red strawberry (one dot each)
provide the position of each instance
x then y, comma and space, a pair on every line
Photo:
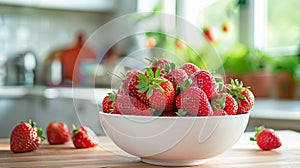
194, 101
58, 133
84, 137
130, 82
168, 113
266, 139
156, 91
189, 68
107, 106
175, 76
208, 34
130, 105
242, 95
25, 137
204, 80
107, 103
159, 63
226, 102
219, 112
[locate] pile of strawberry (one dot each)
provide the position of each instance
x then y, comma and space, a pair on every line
166, 90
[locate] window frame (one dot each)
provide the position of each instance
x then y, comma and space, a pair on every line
253, 22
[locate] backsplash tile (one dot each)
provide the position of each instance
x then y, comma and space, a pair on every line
42, 31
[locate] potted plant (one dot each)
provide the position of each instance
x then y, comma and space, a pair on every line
249, 65
286, 71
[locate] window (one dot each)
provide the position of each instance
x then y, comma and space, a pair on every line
275, 25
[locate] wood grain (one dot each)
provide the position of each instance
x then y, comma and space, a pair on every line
243, 154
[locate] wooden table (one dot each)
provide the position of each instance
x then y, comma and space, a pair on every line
243, 154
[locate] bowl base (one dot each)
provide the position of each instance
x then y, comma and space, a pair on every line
172, 162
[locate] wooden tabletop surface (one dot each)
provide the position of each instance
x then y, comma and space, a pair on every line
243, 154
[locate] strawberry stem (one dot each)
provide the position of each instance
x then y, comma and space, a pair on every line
258, 130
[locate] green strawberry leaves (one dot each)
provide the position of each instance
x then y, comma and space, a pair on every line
38, 130
187, 83
169, 67
181, 112
150, 81
112, 96
257, 131
235, 89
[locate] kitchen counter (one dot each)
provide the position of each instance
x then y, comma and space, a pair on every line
243, 154
263, 108
274, 113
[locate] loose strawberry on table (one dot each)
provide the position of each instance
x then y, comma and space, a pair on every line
26, 137
58, 133
266, 139
84, 137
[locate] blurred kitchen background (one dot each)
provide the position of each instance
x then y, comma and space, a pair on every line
257, 41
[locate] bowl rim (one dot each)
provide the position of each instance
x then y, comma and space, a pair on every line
173, 117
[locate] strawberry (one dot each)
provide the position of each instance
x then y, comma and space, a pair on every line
204, 80
226, 102
156, 91
219, 112
107, 103
130, 105
189, 68
58, 133
26, 137
194, 101
174, 75
266, 139
208, 34
168, 113
107, 106
159, 63
83, 137
243, 96
130, 82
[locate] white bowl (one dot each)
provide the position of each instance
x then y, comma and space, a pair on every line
174, 141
